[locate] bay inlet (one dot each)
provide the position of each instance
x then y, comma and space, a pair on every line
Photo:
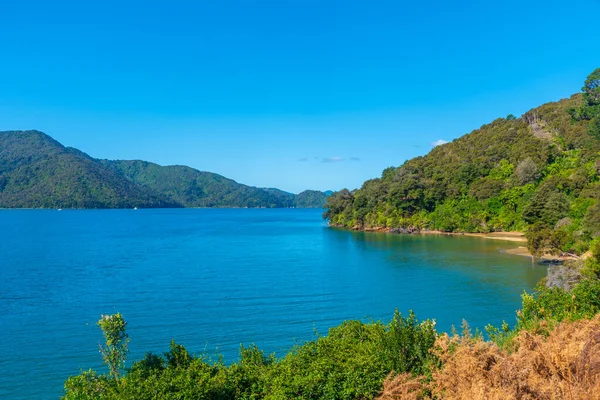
214, 278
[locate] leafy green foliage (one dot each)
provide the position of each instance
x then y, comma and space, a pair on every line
114, 352
591, 88
407, 344
351, 362
527, 172
590, 108
523, 174
538, 236
549, 305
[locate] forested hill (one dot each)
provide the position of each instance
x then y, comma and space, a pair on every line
36, 171
192, 188
538, 173
305, 199
311, 199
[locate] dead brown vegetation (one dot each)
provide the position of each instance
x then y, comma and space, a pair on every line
563, 365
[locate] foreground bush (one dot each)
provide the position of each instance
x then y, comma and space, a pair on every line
351, 362
563, 365
548, 306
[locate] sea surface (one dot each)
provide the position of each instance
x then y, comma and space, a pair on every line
214, 278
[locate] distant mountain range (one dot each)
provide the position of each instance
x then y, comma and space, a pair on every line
36, 171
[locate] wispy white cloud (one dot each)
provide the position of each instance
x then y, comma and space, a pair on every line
439, 142
329, 160
334, 159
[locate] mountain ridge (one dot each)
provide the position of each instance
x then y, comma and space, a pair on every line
36, 171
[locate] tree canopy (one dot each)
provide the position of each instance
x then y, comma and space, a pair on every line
540, 170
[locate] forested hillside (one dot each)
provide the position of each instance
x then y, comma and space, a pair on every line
192, 188
537, 173
311, 199
285, 198
305, 199
38, 172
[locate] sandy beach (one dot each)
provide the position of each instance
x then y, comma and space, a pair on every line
506, 236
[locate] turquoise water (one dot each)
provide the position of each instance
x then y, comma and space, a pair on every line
214, 278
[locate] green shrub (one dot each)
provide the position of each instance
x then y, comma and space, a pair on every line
351, 362
406, 344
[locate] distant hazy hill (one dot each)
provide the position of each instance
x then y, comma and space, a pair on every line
311, 199
38, 172
305, 199
286, 198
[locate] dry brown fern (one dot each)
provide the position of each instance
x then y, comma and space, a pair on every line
564, 365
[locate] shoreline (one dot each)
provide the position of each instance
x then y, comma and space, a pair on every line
507, 236
514, 236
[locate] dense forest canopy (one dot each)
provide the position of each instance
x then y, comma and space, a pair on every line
192, 188
537, 173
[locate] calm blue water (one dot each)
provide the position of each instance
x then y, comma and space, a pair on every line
214, 278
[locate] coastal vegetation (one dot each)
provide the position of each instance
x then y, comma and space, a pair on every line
36, 171
351, 362
537, 173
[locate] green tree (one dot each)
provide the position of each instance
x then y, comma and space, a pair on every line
178, 356
114, 352
527, 172
502, 171
591, 88
594, 126
407, 343
537, 236
591, 221
547, 206
590, 110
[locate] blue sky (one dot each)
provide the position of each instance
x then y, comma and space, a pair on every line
288, 94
